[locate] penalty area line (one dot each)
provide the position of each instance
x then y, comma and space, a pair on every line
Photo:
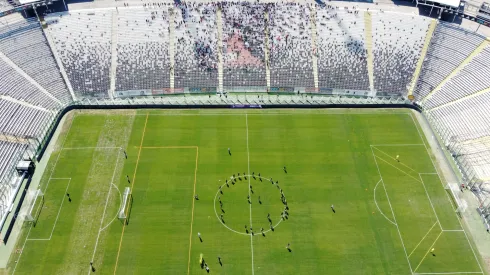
105, 209
442, 180
421, 261
422, 239
50, 176
392, 211
379, 209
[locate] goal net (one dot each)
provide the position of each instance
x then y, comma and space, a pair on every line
125, 204
35, 205
457, 195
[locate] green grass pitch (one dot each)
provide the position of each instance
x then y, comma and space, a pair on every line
388, 215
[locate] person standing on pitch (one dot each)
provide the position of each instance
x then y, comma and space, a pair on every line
333, 209
219, 261
398, 158
229, 151
199, 235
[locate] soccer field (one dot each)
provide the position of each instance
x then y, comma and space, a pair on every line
387, 214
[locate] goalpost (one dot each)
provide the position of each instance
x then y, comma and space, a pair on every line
126, 202
35, 205
461, 204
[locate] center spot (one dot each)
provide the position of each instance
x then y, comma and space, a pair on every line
251, 204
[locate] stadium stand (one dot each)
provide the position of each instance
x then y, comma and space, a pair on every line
21, 120
243, 44
465, 120
23, 42
474, 77
180, 46
449, 46
342, 53
10, 153
5, 6
83, 41
142, 49
196, 55
290, 46
397, 42
12, 84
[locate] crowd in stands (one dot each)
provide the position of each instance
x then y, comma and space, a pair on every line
290, 41
342, 50
143, 49
83, 42
196, 37
243, 44
398, 41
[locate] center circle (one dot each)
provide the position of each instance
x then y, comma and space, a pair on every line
252, 198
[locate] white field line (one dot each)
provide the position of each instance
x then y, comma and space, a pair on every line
51, 174
447, 195
83, 148
233, 230
248, 163
395, 167
59, 210
291, 113
392, 212
381, 151
115, 217
421, 261
448, 273
105, 208
430, 201
422, 239
378, 206
416, 144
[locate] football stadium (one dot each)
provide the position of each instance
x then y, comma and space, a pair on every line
253, 137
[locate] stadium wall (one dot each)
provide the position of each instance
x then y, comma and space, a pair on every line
63, 112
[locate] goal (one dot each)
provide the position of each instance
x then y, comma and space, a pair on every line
460, 202
124, 209
35, 206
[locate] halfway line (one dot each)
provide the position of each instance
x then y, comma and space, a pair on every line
248, 163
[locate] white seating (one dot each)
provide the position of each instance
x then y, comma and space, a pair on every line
290, 46
22, 121
25, 45
142, 49
449, 46
474, 77
342, 51
83, 42
397, 42
243, 44
196, 41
